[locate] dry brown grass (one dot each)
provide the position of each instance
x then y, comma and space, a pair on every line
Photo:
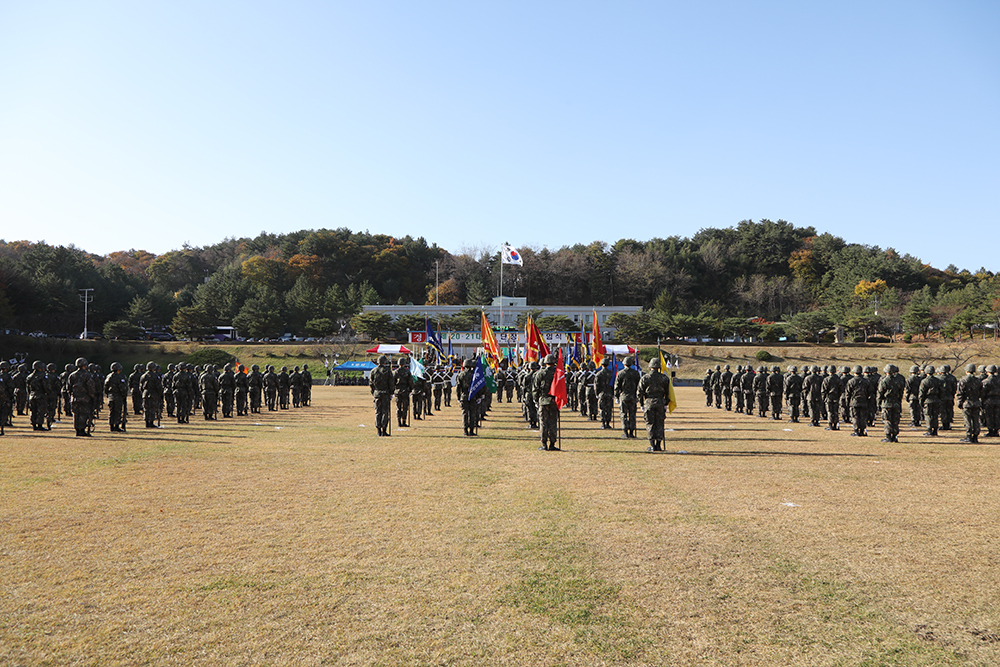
301, 538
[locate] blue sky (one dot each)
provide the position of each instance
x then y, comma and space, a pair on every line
150, 125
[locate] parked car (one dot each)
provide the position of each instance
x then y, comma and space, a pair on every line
38, 334
160, 335
91, 335
59, 335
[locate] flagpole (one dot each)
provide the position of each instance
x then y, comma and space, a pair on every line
501, 289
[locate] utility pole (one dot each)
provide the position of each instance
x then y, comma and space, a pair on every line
86, 297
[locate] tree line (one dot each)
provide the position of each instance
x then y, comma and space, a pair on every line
765, 278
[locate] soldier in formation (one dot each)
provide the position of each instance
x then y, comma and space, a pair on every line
548, 411
403, 387
626, 393
653, 390
604, 386
382, 385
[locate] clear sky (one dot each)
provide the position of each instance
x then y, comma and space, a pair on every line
153, 124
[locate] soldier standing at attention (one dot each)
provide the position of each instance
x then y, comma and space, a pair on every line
463, 386
737, 388
295, 381
382, 386
969, 394
913, 395
284, 388
626, 386
242, 390
793, 392
116, 389
307, 386
208, 386
760, 390
133, 385
404, 385
547, 409
857, 396
891, 388
831, 390
530, 400
417, 396
227, 390
271, 388
706, 386
37, 407
747, 382
152, 393
948, 389
437, 380
19, 382
930, 400
604, 384
727, 388
775, 388
256, 382
991, 402
845, 406
717, 386
653, 389
83, 391
812, 393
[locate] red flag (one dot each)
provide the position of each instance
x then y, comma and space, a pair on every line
536, 348
559, 382
598, 344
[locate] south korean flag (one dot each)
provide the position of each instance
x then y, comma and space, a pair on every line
511, 256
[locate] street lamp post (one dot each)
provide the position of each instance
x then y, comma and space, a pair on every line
86, 297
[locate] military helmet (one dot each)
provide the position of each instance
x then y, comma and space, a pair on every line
228, 367
296, 369
550, 359
914, 369
51, 366
150, 365
4, 365
793, 369
383, 360
889, 369
255, 368
402, 362
115, 366
469, 363
857, 370
171, 367
81, 363
535, 365
739, 367
284, 369
775, 369
708, 371
930, 370
991, 368
718, 367
137, 367
604, 362
654, 364
727, 367
946, 368
590, 365
68, 367
760, 369
38, 365
305, 367
970, 368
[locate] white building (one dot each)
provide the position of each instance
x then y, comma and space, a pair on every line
513, 306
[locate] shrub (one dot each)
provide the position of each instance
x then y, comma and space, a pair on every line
762, 355
908, 338
210, 356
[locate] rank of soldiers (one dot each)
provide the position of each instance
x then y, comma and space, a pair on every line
859, 396
46, 395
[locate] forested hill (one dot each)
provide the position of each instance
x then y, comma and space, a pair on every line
773, 271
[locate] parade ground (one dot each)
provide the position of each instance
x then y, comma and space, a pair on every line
299, 537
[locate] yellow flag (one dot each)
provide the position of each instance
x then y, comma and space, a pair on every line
671, 396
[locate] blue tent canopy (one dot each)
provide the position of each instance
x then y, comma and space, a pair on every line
355, 366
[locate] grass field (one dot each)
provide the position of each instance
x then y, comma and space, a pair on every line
301, 538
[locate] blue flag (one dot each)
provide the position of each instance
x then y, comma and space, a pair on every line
478, 378
434, 341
